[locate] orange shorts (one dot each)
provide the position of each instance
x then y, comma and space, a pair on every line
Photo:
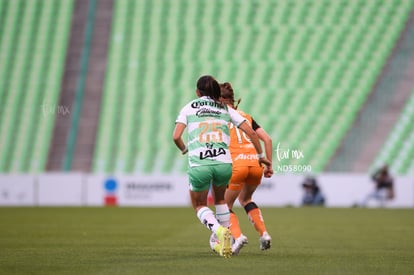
241, 175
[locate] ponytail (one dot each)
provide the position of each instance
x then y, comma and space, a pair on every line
208, 86
227, 95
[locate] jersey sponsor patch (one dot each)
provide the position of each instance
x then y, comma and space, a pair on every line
246, 157
212, 153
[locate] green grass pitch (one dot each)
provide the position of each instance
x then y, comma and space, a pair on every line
171, 241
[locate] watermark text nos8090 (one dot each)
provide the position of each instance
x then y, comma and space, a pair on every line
284, 154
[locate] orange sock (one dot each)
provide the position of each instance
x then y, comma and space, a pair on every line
255, 217
234, 225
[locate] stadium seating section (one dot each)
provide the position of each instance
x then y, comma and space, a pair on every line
302, 68
33, 40
398, 150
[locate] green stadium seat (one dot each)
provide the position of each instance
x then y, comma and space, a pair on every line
303, 69
398, 150
33, 50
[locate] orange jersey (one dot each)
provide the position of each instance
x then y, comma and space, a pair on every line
241, 148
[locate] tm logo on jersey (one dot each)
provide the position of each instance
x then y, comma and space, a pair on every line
212, 152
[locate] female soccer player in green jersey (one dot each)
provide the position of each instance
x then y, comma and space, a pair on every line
207, 122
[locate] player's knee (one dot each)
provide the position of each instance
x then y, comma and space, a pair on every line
244, 200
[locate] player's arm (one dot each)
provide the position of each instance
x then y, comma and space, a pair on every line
267, 140
177, 137
268, 146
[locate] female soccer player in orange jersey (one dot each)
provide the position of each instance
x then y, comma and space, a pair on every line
246, 176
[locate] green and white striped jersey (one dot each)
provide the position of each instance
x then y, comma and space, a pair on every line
208, 130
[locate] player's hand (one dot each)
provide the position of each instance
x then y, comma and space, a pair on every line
268, 172
265, 161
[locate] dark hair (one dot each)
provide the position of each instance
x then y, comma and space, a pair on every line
227, 95
208, 86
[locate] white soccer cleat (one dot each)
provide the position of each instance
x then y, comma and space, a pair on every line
265, 241
238, 244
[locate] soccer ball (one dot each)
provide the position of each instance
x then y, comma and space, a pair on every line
213, 241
